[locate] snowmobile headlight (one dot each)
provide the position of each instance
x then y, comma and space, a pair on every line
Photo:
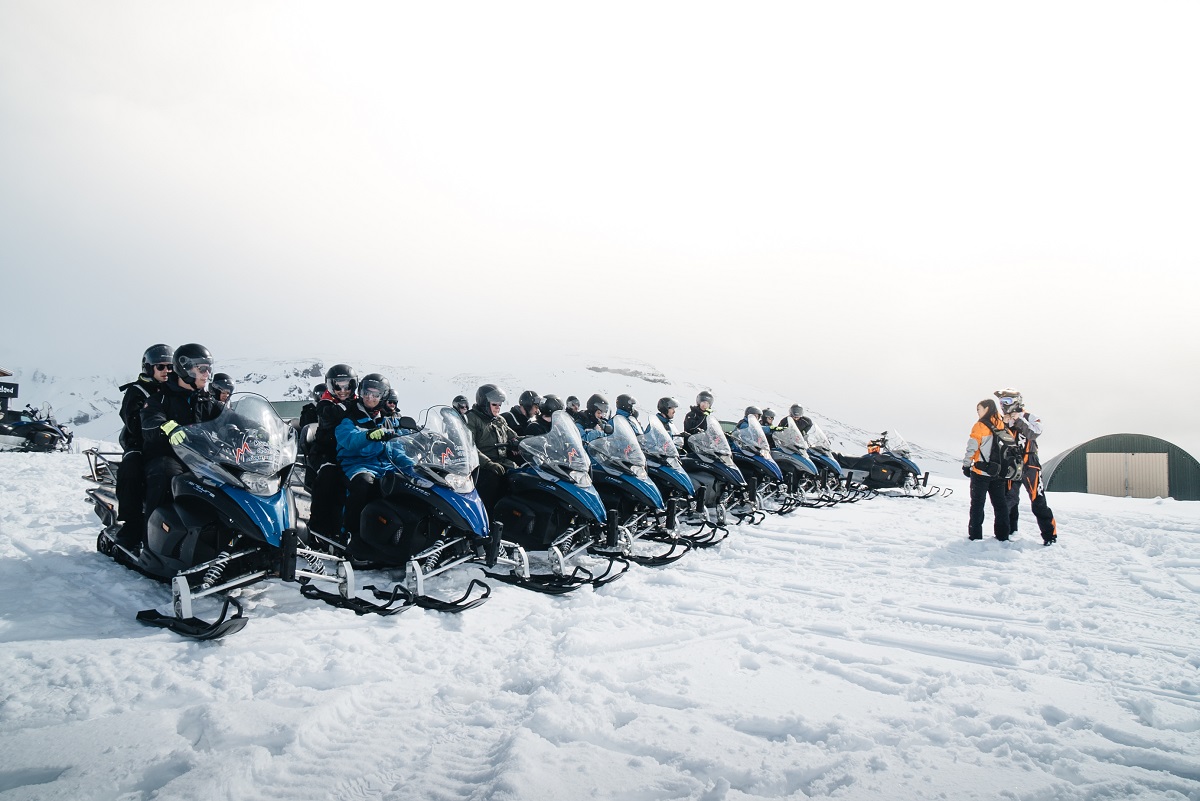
581, 478
639, 471
459, 483
260, 485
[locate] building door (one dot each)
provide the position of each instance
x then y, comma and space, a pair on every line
1128, 475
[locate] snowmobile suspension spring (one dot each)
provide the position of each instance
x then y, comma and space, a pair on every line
315, 563
213, 574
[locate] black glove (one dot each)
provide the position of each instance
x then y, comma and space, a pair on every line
967, 471
607, 429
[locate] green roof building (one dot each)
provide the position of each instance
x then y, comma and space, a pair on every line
1127, 466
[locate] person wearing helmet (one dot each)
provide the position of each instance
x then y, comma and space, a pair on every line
768, 425
131, 478
751, 411
360, 436
545, 420
183, 401
525, 410
573, 406
494, 440
1026, 427
593, 422
323, 475
666, 413
390, 411
461, 405
222, 386
308, 414
697, 416
627, 408
804, 423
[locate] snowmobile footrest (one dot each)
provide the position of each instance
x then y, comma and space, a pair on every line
194, 627
610, 573
677, 551
459, 605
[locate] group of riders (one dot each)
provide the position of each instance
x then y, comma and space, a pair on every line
352, 419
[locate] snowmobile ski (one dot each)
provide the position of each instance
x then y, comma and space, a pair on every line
196, 628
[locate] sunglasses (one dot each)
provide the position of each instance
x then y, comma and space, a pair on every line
496, 405
203, 368
341, 386
371, 393
162, 367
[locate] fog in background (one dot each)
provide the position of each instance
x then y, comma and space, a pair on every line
889, 210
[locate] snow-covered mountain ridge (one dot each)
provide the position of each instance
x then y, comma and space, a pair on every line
90, 403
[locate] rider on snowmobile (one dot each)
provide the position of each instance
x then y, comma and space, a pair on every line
131, 478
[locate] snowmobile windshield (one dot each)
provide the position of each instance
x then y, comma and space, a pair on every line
247, 445
561, 451
442, 449
658, 445
620, 449
818, 440
897, 444
790, 439
709, 442
751, 438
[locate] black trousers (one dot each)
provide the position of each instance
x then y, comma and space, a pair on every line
1032, 480
982, 488
364, 488
328, 499
131, 488
159, 472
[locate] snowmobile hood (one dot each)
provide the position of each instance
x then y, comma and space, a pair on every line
797, 458
272, 514
822, 459
673, 474
643, 489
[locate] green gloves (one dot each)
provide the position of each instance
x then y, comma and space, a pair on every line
376, 434
174, 433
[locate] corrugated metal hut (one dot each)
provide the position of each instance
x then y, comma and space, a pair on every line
1125, 465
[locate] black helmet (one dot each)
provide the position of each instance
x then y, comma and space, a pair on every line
221, 382
768, 414
489, 393
625, 403
752, 410
796, 411
704, 396
529, 399
597, 403
318, 392
666, 404
572, 403
156, 354
461, 403
391, 397
374, 383
188, 358
341, 374
550, 404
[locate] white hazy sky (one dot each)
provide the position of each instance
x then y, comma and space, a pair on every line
890, 209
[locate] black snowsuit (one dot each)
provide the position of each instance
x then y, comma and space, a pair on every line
308, 414
695, 419
327, 481
131, 477
492, 436
185, 406
1027, 428
516, 418
536, 427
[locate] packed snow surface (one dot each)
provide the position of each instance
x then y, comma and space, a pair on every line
864, 651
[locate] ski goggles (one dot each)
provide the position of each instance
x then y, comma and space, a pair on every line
1010, 402
373, 394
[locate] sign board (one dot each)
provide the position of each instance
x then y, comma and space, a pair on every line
9, 390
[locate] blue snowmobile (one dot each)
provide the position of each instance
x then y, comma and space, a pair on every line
766, 491
708, 462
231, 521
664, 466
552, 507
802, 477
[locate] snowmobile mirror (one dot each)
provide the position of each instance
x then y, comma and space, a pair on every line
408, 423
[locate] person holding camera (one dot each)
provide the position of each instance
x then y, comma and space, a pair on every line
984, 470
1026, 427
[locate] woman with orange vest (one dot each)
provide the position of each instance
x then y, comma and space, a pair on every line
985, 474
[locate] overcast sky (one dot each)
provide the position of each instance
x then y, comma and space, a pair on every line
889, 209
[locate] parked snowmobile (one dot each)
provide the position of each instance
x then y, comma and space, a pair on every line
831, 477
679, 493
620, 476
802, 478
232, 521
709, 464
33, 429
752, 454
430, 519
553, 507
888, 466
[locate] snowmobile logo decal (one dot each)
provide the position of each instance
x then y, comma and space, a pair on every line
447, 455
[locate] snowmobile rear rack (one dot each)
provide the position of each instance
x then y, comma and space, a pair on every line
101, 468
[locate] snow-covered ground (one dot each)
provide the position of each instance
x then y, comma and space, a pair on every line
866, 651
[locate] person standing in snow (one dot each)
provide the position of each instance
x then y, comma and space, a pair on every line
1027, 427
984, 474
131, 477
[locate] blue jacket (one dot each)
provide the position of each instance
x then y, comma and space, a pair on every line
589, 434
356, 452
633, 422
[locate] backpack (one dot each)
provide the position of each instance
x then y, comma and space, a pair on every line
1006, 453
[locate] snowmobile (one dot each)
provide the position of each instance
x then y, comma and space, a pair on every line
620, 476
552, 506
430, 518
802, 479
888, 466
709, 464
751, 452
831, 477
33, 429
679, 493
231, 522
